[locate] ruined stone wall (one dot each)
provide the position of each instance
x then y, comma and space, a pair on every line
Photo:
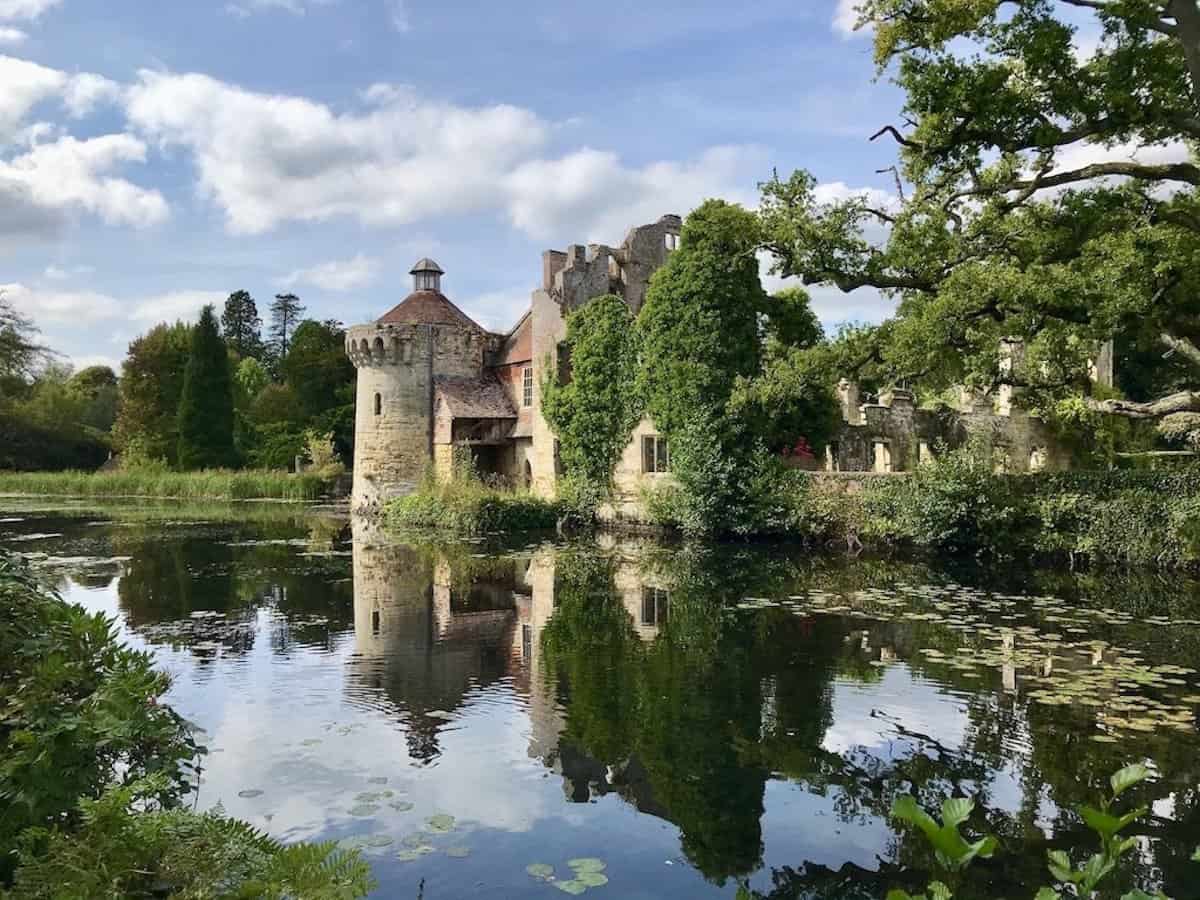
643, 253
549, 328
893, 436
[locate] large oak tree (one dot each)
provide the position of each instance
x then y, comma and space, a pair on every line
1047, 192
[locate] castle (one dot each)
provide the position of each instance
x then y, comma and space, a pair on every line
431, 379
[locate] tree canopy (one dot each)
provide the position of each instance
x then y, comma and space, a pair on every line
241, 327
1046, 192
150, 389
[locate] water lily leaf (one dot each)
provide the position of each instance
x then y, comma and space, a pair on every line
573, 886
250, 794
366, 797
458, 852
379, 840
409, 855
441, 823
379, 779
363, 809
416, 841
591, 879
543, 871
587, 864
400, 805
1127, 777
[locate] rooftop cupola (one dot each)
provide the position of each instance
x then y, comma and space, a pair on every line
427, 275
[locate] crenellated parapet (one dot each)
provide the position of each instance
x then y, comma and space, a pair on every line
381, 344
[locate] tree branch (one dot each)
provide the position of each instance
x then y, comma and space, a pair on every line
1183, 347
1183, 401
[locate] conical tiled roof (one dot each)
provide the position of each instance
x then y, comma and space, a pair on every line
427, 308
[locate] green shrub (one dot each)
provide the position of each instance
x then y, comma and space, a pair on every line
466, 505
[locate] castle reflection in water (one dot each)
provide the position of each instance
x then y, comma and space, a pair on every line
434, 627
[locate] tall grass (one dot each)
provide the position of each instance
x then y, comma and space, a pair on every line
209, 484
467, 505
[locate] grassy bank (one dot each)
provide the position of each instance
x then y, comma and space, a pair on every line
468, 507
219, 484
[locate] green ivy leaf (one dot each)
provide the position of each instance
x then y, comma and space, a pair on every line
1127, 777
1047, 893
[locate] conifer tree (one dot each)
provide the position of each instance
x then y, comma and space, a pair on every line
241, 325
206, 407
286, 312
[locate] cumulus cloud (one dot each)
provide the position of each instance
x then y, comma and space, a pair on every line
267, 159
590, 195
26, 84
337, 276
76, 175
25, 9
10, 36
83, 93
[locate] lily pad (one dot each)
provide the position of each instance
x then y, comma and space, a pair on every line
441, 823
592, 879
367, 797
364, 809
379, 840
400, 805
458, 852
544, 871
311, 742
587, 864
250, 794
417, 841
574, 886
409, 855
379, 779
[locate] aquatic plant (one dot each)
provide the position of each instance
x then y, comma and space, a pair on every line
954, 853
466, 505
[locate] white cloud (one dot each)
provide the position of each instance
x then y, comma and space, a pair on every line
398, 16
76, 175
12, 36
26, 84
267, 159
85, 92
50, 306
845, 17
337, 276
590, 195
25, 9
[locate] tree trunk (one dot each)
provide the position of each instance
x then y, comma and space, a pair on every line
1187, 22
1183, 401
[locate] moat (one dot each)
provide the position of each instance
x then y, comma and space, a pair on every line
698, 719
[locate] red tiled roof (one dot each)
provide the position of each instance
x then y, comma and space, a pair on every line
427, 308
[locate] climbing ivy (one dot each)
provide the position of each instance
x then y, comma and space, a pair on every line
589, 399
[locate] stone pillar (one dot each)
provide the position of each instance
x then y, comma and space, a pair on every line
848, 395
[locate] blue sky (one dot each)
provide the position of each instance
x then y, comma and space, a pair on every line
158, 155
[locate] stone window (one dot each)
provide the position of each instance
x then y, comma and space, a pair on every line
671, 241
655, 603
655, 455
883, 457
527, 387
924, 453
379, 404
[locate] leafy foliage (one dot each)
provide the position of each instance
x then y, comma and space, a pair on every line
241, 327
286, 313
206, 403
594, 408
998, 233
151, 387
466, 505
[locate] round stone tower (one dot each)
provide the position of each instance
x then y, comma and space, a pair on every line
399, 358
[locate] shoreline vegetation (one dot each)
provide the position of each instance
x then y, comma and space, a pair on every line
956, 505
162, 484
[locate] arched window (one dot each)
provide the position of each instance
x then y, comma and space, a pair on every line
379, 404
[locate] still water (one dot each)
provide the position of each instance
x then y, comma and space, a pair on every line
697, 721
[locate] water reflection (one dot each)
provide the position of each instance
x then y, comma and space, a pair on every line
747, 715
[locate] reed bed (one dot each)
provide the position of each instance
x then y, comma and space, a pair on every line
209, 484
